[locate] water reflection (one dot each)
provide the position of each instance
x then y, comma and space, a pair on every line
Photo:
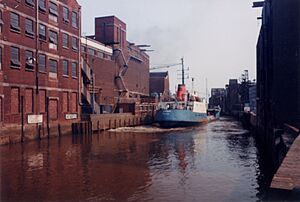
214, 162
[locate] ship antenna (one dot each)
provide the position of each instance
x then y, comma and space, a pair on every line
182, 66
206, 93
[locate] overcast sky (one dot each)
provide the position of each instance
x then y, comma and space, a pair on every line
217, 38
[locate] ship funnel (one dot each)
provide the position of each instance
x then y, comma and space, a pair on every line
181, 92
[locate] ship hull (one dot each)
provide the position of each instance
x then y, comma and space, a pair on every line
179, 118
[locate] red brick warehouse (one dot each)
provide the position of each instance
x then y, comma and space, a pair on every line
120, 67
40, 57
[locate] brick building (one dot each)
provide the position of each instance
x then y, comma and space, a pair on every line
39, 40
160, 84
120, 69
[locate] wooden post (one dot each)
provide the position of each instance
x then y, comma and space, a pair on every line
22, 109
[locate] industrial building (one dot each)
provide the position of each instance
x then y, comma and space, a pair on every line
160, 84
120, 69
51, 76
40, 59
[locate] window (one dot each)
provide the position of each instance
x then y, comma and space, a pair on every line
74, 43
15, 57
29, 64
53, 8
74, 69
14, 101
1, 21
29, 27
42, 5
14, 22
29, 2
65, 14
65, 40
53, 37
0, 58
42, 32
66, 67
101, 55
91, 51
42, 63
52, 68
74, 19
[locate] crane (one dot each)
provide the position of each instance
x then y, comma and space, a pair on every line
164, 66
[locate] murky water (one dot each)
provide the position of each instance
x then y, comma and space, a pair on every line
213, 162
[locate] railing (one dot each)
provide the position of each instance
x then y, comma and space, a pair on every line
85, 91
86, 69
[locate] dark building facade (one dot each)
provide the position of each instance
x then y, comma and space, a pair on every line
217, 98
159, 84
232, 102
40, 57
278, 69
278, 65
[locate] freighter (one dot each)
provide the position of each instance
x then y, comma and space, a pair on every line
186, 110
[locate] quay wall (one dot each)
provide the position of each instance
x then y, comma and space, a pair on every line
15, 133
11, 134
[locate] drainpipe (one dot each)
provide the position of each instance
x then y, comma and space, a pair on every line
79, 57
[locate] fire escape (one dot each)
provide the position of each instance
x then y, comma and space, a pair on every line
89, 104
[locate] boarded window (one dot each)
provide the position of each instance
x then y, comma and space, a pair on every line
15, 57
28, 100
14, 22
74, 102
65, 102
29, 30
14, 101
42, 63
0, 58
1, 111
42, 99
53, 115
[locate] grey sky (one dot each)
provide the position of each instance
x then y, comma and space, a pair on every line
216, 37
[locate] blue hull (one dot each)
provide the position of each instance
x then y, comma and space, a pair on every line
179, 118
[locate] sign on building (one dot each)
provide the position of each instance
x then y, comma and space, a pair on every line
33, 119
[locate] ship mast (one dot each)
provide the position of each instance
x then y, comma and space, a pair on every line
182, 66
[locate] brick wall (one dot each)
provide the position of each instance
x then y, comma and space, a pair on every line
25, 79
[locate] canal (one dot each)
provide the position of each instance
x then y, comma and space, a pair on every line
214, 162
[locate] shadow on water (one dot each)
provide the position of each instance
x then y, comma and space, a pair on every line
214, 162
